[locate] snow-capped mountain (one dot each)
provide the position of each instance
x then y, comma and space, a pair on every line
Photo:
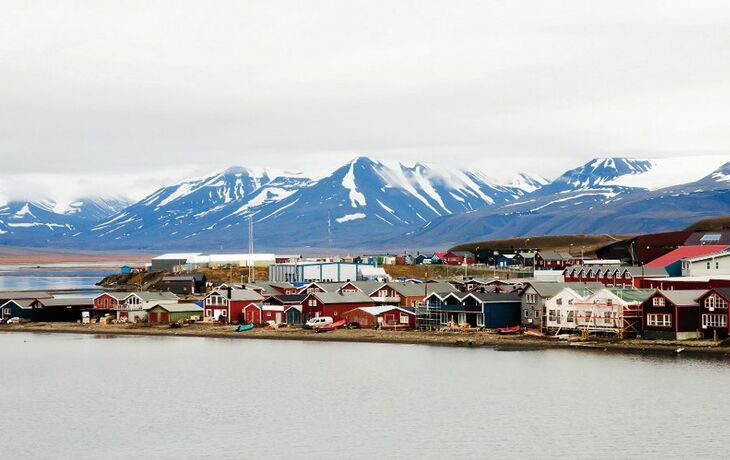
362, 197
606, 195
366, 203
186, 209
31, 222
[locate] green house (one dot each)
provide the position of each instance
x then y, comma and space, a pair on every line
170, 313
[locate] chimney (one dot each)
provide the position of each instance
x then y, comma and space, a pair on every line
229, 289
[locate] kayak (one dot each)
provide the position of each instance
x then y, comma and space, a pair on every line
244, 327
330, 327
509, 330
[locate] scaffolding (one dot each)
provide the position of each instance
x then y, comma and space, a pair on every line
427, 319
595, 318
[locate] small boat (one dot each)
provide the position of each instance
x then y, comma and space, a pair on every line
331, 326
244, 327
509, 330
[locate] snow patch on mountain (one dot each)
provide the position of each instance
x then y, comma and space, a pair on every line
356, 198
350, 217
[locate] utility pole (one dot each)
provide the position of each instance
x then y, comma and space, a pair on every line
251, 271
329, 231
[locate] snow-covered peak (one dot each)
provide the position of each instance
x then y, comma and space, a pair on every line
527, 182
665, 172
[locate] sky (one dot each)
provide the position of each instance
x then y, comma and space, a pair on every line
117, 98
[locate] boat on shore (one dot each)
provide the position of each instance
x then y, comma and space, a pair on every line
244, 327
331, 326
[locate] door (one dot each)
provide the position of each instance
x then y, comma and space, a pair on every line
153, 317
164, 317
278, 318
251, 316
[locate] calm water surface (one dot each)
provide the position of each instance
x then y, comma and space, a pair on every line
87, 397
53, 277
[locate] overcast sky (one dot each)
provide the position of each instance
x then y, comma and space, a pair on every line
146, 92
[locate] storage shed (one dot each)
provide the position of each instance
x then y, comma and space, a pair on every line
294, 314
170, 313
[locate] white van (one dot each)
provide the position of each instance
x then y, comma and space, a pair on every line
318, 321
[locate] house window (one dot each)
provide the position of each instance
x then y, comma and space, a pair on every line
537, 314
571, 317
553, 316
714, 321
717, 265
559, 301
224, 313
531, 298
708, 265
6, 311
658, 301
208, 313
658, 319
403, 318
588, 316
609, 302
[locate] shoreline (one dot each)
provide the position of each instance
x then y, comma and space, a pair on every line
454, 339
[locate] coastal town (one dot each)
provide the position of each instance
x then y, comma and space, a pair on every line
668, 287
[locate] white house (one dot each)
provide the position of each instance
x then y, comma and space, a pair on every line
708, 265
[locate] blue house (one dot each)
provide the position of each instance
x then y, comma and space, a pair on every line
490, 310
126, 270
16, 309
506, 260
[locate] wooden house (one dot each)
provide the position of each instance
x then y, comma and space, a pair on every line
672, 315
552, 260
191, 284
406, 294
716, 264
17, 309
135, 305
458, 258
172, 313
109, 301
333, 304
233, 306
714, 312
61, 309
381, 317
612, 276
476, 309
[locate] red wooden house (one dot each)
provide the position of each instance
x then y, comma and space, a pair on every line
110, 300
713, 312
458, 258
333, 304
672, 315
233, 306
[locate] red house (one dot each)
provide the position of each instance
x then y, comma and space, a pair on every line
110, 300
233, 306
672, 315
333, 304
383, 317
458, 258
713, 312
612, 275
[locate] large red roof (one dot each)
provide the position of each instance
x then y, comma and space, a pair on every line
684, 252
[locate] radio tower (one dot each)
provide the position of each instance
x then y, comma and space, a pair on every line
251, 271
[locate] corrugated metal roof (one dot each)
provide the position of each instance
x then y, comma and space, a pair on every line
685, 252
25, 295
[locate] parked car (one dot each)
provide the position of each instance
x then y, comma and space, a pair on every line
318, 321
353, 325
15, 320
